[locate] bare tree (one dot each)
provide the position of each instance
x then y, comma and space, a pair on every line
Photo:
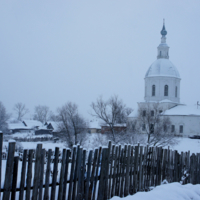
41, 113
156, 126
4, 116
21, 110
72, 125
112, 112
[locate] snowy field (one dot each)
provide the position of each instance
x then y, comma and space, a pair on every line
94, 141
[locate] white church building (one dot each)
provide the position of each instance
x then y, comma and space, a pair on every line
162, 85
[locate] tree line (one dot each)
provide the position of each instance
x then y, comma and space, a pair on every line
148, 127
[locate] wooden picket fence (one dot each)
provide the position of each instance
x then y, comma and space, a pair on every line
99, 174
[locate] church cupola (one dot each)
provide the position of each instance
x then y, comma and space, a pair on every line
162, 80
163, 48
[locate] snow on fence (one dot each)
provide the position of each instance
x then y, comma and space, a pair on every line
99, 174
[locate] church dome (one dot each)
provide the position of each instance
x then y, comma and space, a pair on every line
162, 67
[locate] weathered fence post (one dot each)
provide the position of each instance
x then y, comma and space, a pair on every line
72, 174
103, 182
92, 175
88, 175
127, 179
55, 171
62, 172
29, 174
37, 172
43, 152
80, 177
96, 173
9, 171
1, 146
23, 174
14, 181
66, 175
48, 169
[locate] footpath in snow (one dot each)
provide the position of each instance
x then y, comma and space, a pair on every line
171, 191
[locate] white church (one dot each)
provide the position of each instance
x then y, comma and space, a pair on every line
162, 85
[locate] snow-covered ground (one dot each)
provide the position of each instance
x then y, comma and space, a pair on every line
95, 140
171, 191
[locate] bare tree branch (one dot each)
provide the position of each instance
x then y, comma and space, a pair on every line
41, 113
72, 126
4, 116
111, 112
21, 110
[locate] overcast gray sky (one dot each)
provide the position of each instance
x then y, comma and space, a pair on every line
52, 52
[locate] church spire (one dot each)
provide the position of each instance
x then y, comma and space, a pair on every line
163, 31
163, 48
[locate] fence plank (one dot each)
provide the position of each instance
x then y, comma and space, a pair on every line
102, 193
121, 179
48, 169
140, 168
72, 174
131, 172
43, 152
80, 177
75, 174
29, 174
9, 171
14, 181
117, 185
1, 147
62, 172
92, 174
97, 173
114, 171
111, 165
88, 175
136, 169
66, 174
37, 172
152, 173
55, 172
144, 185
23, 174
127, 179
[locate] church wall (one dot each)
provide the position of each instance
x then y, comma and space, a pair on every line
191, 125
160, 83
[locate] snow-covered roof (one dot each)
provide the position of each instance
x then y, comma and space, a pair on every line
162, 67
55, 125
94, 124
32, 123
133, 114
17, 125
183, 110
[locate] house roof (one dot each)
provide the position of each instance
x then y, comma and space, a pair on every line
94, 124
32, 123
184, 110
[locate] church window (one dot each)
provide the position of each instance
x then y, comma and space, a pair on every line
160, 53
144, 113
181, 129
152, 113
166, 90
153, 90
176, 91
173, 128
